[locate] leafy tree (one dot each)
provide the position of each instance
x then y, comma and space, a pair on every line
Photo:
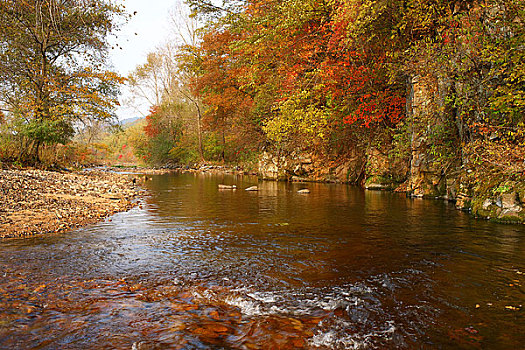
174, 121
52, 63
286, 68
325, 75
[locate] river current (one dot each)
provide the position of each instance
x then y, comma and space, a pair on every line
196, 267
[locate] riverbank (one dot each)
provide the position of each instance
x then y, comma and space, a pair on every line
491, 186
38, 201
489, 195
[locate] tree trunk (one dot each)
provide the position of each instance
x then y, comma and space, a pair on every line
223, 153
199, 132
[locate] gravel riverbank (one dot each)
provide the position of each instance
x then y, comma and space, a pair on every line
38, 201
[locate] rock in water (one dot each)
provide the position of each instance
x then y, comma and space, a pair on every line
304, 190
253, 188
227, 187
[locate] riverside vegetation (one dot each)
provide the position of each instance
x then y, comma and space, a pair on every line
425, 97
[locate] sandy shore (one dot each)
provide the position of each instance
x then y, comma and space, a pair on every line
37, 201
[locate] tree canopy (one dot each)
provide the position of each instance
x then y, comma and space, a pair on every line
303, 72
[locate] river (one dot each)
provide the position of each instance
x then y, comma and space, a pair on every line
196, 267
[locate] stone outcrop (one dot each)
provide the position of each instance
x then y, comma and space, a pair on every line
508, 206
383, 172
309, 168
272, 167
374, 169
454, 176
427, 113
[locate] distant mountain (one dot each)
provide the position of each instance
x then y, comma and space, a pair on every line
127, 121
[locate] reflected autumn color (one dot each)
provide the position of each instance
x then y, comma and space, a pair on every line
200, 267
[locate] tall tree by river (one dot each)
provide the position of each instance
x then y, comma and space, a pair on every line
53, 63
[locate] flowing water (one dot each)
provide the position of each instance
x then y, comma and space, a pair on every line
201, 268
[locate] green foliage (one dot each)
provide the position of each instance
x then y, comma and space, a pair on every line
162, 140
213, 147
442, 143
503, 50
400, 148
48, 131
125, 145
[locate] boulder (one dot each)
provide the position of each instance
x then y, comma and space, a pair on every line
486, 204
377, 186
510, 201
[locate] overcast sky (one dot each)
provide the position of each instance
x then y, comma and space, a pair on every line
144, 32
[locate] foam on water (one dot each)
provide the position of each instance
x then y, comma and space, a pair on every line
335, 338
352, 315
248, 307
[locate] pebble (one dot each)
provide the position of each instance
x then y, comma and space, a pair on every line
38, 201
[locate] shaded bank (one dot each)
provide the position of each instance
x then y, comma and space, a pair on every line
38, 201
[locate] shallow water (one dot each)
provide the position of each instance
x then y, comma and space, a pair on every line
197, 267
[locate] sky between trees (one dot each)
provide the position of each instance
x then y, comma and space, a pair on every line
148, 28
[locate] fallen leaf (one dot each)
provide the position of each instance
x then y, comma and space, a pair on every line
219, 328
135, 287
298, 342
177, 326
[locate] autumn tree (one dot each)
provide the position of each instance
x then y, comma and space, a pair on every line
53, 56
297, 74
335, 76
163, 82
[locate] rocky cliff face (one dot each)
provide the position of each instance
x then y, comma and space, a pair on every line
373, 168
432, 168
309, 168
494, 200
505, 207
463, 173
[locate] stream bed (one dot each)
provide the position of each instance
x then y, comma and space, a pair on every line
196, 267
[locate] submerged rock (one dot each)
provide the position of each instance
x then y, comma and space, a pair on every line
252, 188
227, 187
304, 191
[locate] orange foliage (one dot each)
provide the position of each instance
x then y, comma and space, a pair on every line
261, 63
151, 128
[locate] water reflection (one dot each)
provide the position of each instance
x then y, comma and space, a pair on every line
199, 267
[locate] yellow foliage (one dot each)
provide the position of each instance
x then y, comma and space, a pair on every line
300, 119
